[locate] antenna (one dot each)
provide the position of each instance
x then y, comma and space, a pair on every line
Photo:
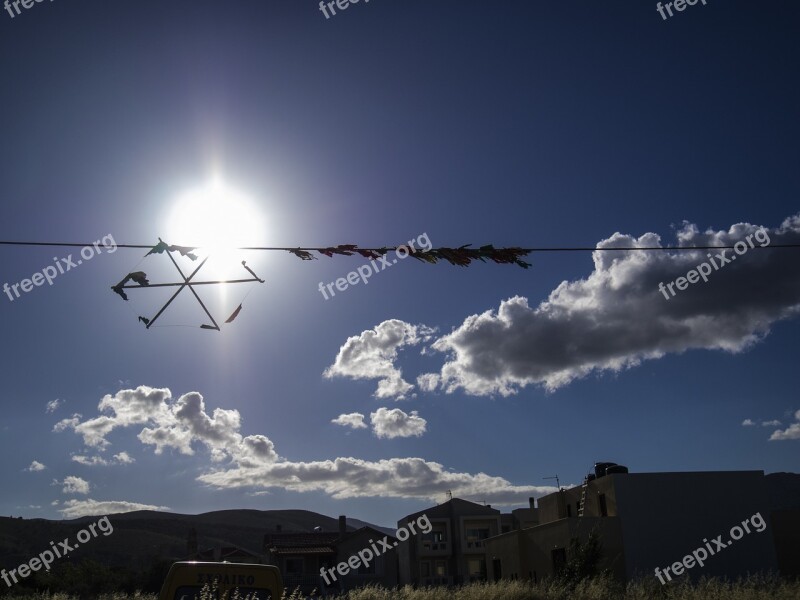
558, 483
449, 495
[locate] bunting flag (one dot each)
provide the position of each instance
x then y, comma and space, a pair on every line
162, 246
461, 256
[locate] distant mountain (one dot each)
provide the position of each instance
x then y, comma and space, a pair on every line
142, 536
783, 490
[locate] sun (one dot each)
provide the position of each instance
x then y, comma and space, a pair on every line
216, 219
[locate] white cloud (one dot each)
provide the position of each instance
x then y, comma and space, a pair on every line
352, 420
55, 503
36, 466
748, 423
73, 485
253, 461
371, 355
53, 405
790, 433
773, 423
391, 478
70, 423
428, 382
90, 508
396, 423
616, 317
167, 424
121, 458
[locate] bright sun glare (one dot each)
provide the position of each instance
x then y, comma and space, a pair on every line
215, 218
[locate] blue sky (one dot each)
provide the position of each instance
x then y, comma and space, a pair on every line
523, 124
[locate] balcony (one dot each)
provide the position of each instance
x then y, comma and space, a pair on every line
429, 548
473, 545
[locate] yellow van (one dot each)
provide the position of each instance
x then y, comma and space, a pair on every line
185, 581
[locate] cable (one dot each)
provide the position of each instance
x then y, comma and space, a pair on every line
320, 249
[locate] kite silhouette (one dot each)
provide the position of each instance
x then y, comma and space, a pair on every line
139, 279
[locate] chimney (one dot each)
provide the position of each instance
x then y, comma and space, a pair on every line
342, 525
532, 502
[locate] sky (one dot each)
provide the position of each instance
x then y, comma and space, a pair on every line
517, 124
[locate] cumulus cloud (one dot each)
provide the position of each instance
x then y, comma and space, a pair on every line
73, 485
372, 354
748, 423
791, 433
396, 423
617, 317
166, 424
122, 458
36, 466
773, 423
392, 478
74, 509
253, 462
53, 405
352, 420
428, 382
69, 423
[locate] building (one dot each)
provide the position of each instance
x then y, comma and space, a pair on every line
383, 570
301, 555
646, 521
452, 552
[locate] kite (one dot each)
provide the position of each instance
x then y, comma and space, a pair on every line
139, 278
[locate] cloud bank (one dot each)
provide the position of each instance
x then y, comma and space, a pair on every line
183, 424
612, 320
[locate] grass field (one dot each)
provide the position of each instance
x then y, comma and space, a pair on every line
597, 589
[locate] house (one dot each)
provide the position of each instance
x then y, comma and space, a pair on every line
452, 552
646, 521
302, 555
382, 570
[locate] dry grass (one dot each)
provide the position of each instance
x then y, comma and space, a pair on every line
597, 589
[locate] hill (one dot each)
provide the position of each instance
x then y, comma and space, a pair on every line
141, 537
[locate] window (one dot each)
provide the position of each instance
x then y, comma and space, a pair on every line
603, 507
425, 569
294, 566
435, 540
476, 568
441, 568
477, 534
569, 510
